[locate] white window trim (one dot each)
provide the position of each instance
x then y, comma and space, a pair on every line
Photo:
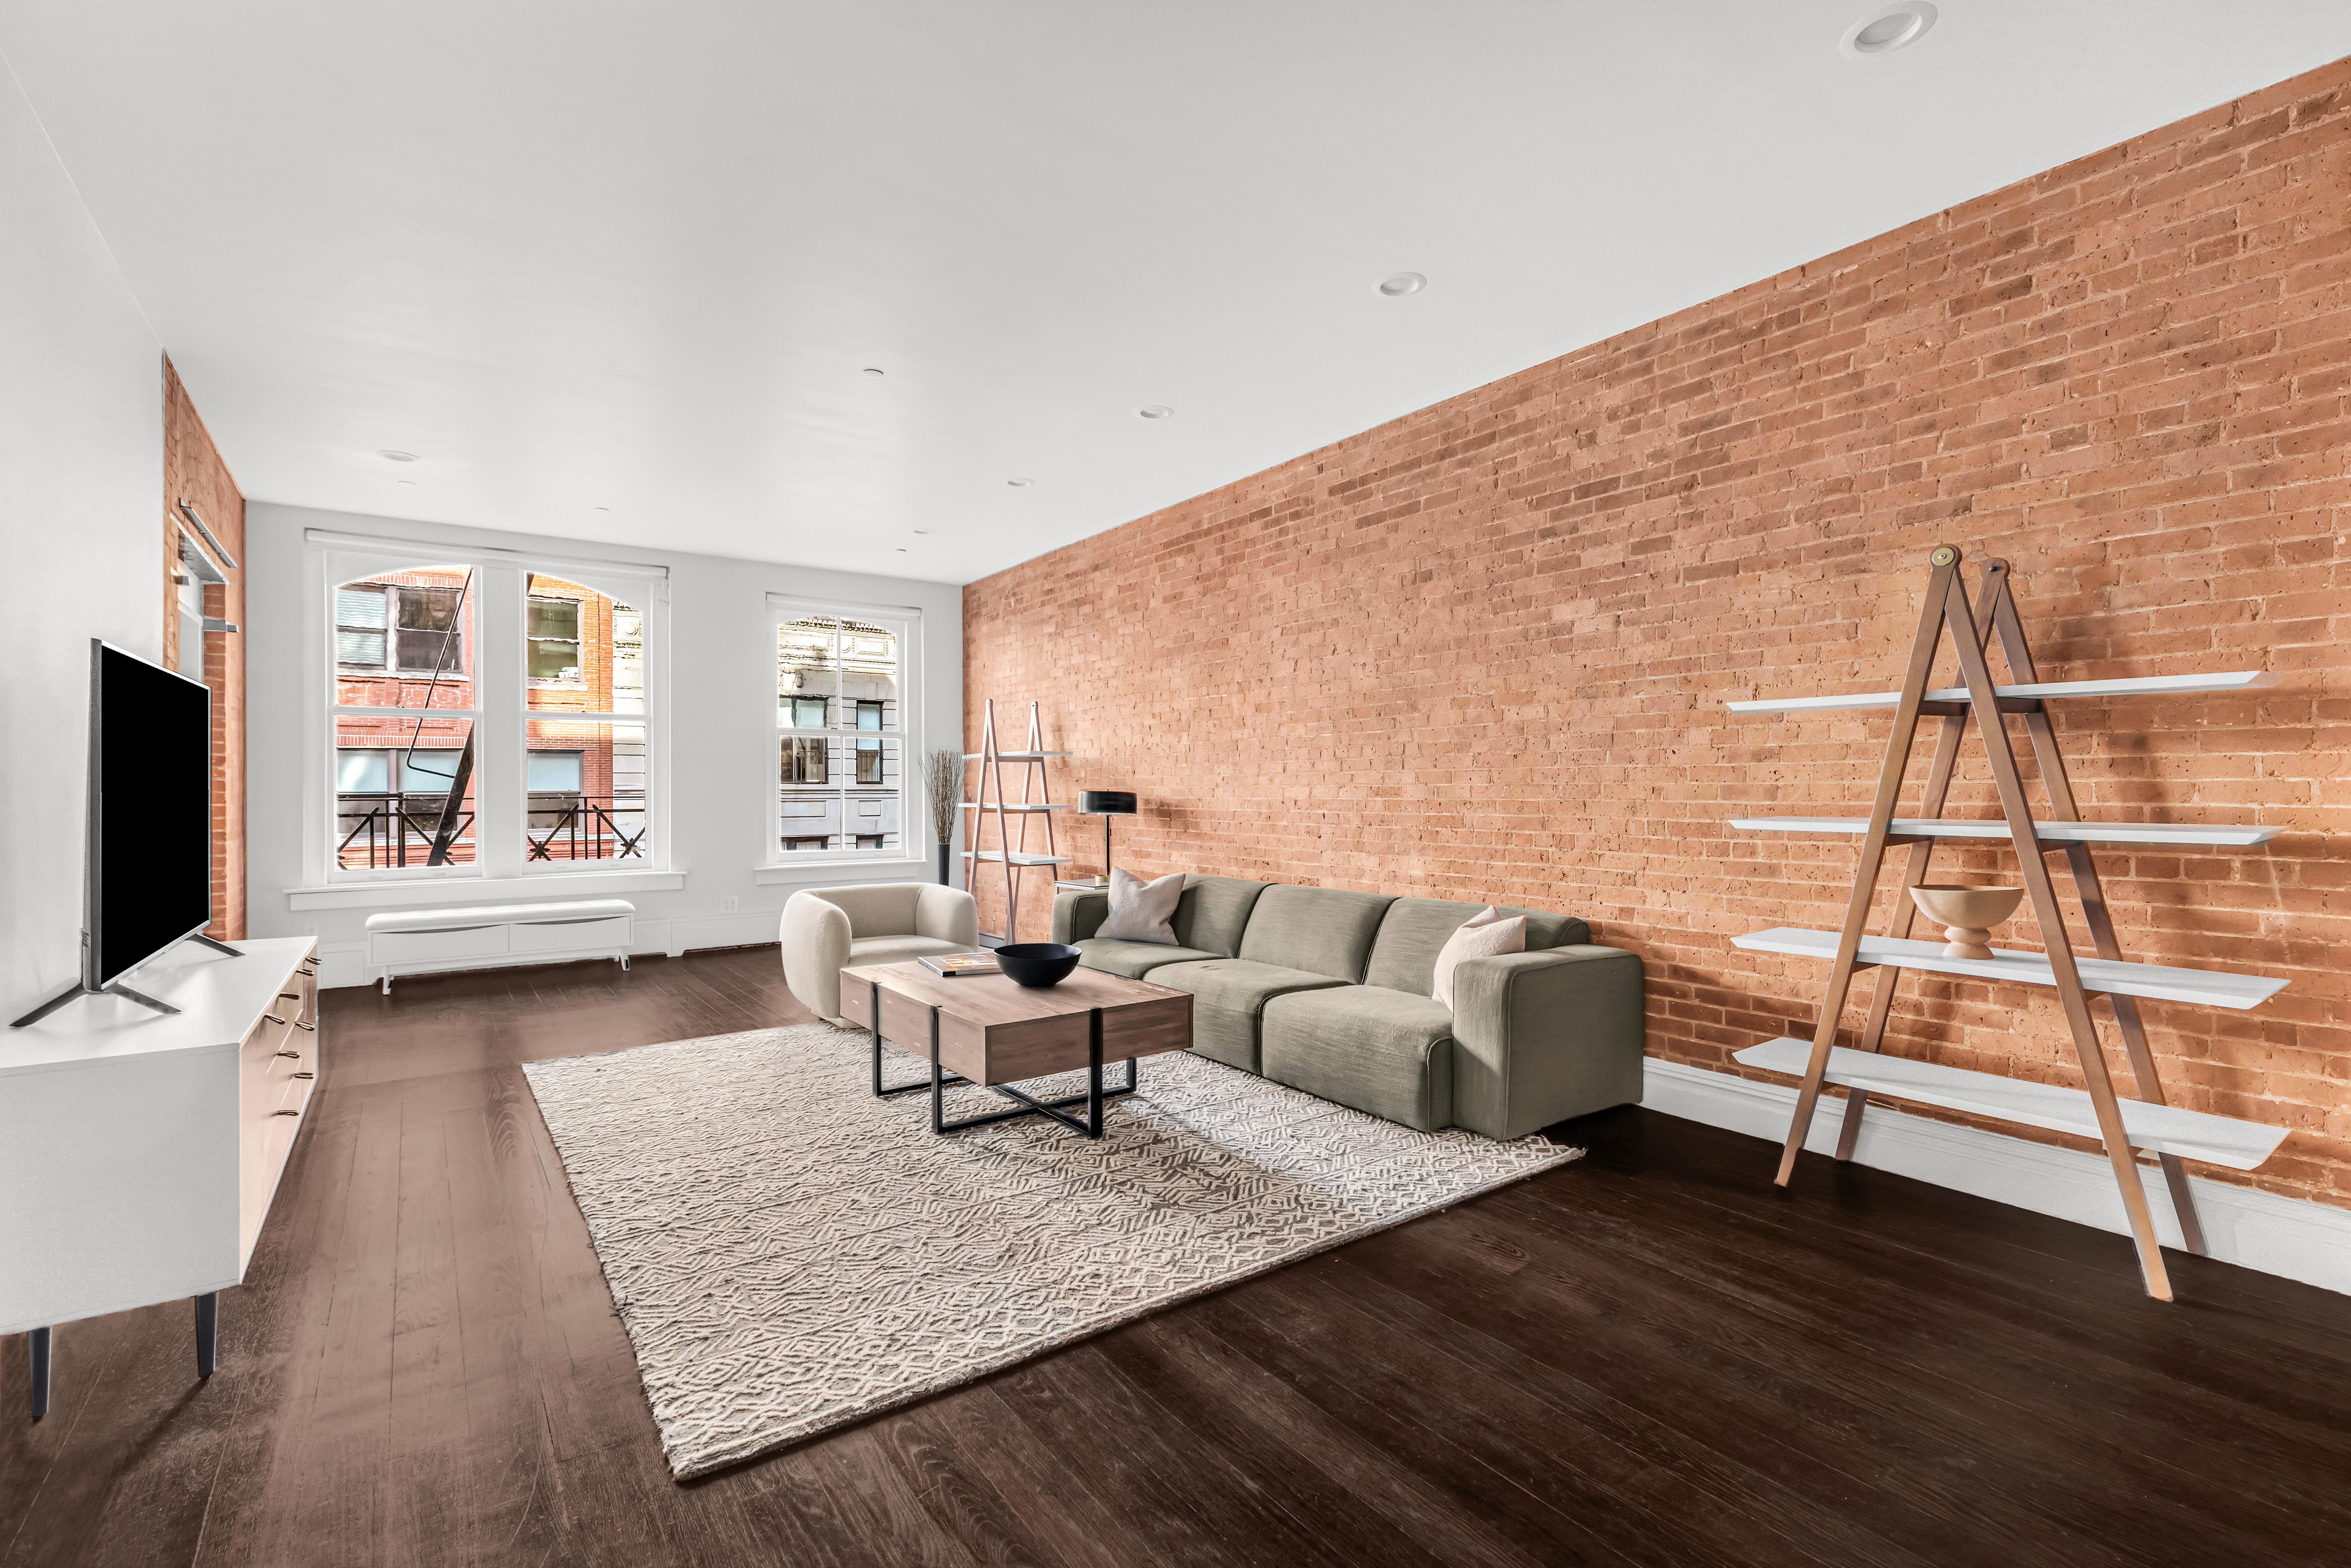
915, 846
501, 789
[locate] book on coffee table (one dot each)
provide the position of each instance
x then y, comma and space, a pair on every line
950, 965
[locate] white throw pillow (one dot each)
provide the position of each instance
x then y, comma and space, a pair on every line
1481, 935
1141, 911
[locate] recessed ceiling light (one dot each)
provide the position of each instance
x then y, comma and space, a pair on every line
389, 456
902, 549
1401, 284
1156, 411
873, 369
1020, 484
599, 509
925, 530
1886, 29
410, 482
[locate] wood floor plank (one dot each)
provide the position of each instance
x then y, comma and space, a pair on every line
2018, 1352
1649, 1356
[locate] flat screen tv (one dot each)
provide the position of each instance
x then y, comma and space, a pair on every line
149, 864
147, 860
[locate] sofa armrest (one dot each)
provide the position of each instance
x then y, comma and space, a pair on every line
949, 914
814, 936
1078, 915
1540, 1037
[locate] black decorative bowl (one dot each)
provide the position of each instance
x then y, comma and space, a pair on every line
1037, 964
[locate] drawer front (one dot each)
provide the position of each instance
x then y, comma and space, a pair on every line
559, 935
408, 946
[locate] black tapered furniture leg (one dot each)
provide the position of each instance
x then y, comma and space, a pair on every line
38, 1342
207, 1333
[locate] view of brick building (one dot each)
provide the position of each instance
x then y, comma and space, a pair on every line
408, 640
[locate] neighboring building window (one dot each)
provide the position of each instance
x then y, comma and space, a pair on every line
554, 639
840, 730
425, 630
359, 626
558, 771
362, 772
804, 761
408, 758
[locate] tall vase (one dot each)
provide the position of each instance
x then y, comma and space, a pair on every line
946, 853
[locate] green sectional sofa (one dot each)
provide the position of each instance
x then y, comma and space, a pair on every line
1328, 991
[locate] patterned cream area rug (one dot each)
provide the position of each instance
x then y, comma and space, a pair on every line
790, 1253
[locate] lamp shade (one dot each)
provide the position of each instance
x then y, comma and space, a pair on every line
1106, 802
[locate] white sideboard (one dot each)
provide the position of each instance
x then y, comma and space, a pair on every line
139, 1151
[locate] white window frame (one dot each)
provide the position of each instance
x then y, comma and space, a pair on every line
500, 715
914, 835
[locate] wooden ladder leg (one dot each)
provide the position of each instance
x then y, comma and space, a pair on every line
1922, 851
2134, 1032
2068, 977
2084, 868
1945, 559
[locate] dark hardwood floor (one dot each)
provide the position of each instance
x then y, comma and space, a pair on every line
1646, 1357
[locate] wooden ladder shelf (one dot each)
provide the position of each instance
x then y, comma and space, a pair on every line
1014, 858
2166, 1131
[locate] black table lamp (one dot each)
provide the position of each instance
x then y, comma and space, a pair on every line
1106, 804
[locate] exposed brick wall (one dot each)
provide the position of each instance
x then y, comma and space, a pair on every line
193, 472
1481, 653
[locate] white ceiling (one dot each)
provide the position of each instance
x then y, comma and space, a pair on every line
582, 253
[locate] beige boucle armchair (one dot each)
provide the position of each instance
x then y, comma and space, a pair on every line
826, 928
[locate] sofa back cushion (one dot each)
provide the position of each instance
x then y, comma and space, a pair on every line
876, 909
1214, 912
1404, 957
1321, 930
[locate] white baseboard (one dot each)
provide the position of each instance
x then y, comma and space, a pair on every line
744, 929
2284, 1235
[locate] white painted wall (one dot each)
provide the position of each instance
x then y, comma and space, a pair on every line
722, 686
82, 524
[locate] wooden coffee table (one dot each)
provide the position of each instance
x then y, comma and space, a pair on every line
986, 1031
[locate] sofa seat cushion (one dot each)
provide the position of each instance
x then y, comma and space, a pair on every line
899, 949
1227, 995
1134, 959
1387, 1052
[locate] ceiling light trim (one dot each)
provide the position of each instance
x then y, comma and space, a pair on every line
1870, 38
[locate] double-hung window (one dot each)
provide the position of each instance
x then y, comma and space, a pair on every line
489, 715
843, 696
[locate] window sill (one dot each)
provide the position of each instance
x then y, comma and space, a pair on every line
482, 889
822, 866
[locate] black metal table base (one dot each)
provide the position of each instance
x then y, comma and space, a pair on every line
1057, 1109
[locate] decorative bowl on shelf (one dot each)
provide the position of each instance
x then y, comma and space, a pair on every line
1037, 964
1967, 914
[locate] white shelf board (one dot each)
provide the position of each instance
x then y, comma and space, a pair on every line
1017, 756
2135, 686
998, 856
2160, 1129
1997, 828
2204, 987
1012, 806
